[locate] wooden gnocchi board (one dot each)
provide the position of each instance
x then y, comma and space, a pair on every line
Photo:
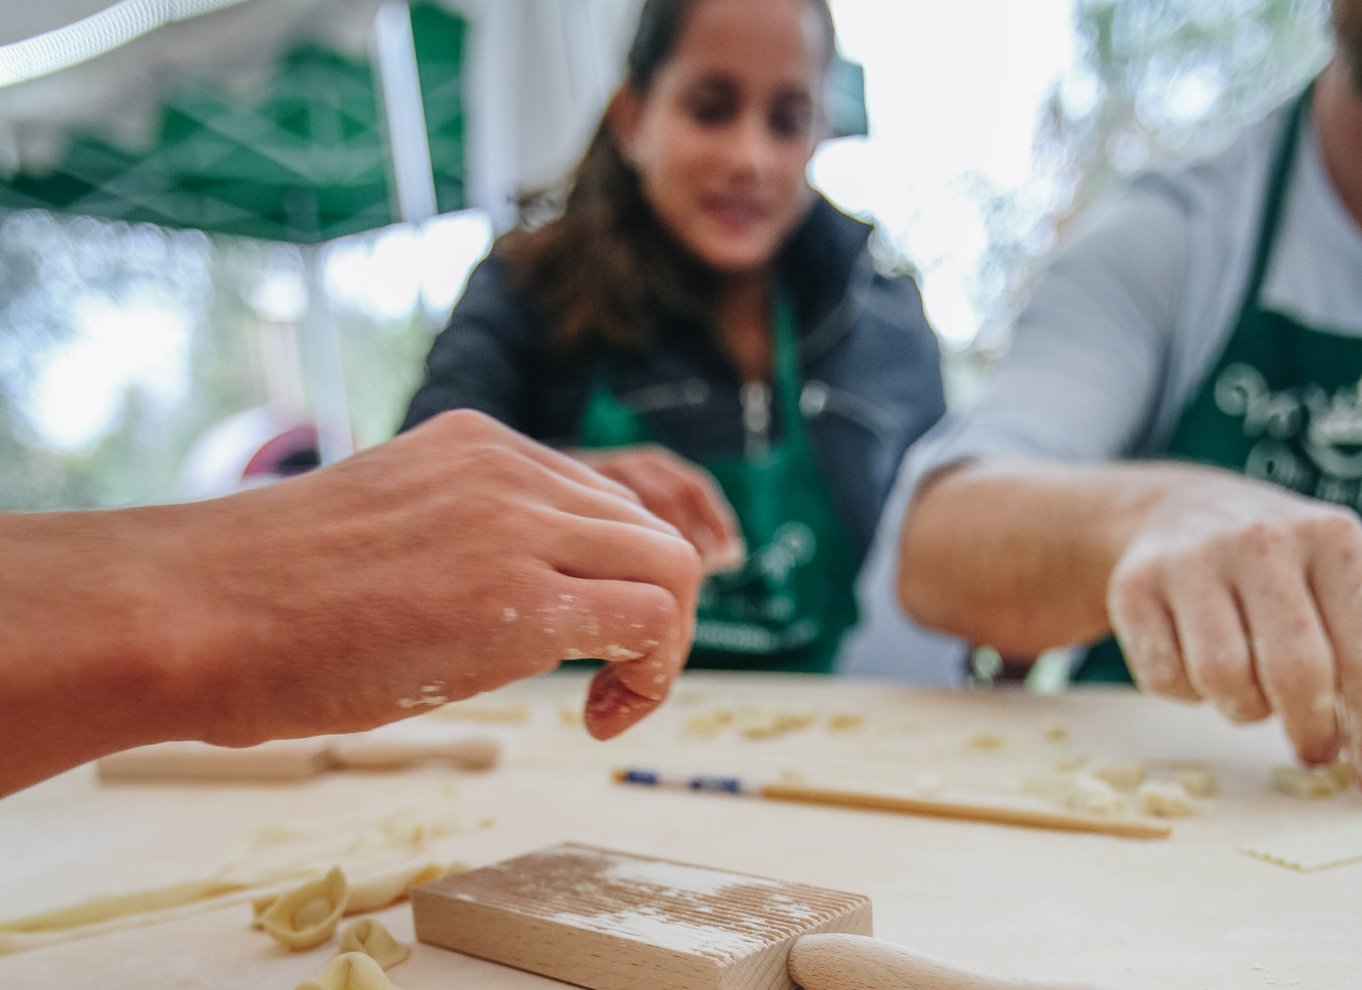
612, 920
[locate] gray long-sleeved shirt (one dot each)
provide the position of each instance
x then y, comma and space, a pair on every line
1127, 320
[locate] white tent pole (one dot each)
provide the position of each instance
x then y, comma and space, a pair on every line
494, 94
404, 115
321, 341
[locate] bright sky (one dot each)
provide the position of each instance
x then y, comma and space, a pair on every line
82, 386
953, 90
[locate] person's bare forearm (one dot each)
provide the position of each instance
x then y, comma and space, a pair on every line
81, 615
1218, 587
1018, 556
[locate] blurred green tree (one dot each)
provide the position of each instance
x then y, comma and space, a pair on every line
1163, 79
1154, 81
55, 272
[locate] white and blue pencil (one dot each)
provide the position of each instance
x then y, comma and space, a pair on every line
998, 814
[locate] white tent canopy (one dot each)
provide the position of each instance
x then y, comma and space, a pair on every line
539, 73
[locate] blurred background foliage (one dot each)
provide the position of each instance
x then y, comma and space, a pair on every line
1153, 80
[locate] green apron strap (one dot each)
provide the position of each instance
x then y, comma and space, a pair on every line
785, 365
1104, 662
1278, 183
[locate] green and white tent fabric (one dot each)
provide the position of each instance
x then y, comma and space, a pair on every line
294, 147
282, 119
306, 120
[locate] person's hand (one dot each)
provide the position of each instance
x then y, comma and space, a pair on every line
680, 492
444, 563
1250, 597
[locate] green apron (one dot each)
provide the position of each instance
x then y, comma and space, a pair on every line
789, 605
1283, 403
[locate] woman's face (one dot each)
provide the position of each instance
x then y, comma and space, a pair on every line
723, 136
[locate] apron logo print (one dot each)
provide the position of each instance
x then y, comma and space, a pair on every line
1332, 426
794, 546
1241, 390
768, 572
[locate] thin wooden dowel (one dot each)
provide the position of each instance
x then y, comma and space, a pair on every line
997, 814
967, 811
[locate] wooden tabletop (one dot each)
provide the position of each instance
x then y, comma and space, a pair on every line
1191, 911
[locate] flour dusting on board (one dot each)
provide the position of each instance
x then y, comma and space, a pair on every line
665, 930
676, 878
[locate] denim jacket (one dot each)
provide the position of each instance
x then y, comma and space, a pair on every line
870, 363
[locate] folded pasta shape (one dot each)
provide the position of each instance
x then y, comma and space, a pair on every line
350, 971
375, 941
308, 915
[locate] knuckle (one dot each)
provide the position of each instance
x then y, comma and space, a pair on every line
1340, 532
1163, 676
464, 423
494, 462
655, 457
663, 500
656, 607
686, 563
1223, 673
1133, 586
1307, 677
1263, 539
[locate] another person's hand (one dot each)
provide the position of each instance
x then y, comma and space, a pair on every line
444, 563
1250, 597
680, 492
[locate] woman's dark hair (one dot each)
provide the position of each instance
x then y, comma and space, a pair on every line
604, 266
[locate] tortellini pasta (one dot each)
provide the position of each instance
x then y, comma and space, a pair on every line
308, 915
350, 971
375, 941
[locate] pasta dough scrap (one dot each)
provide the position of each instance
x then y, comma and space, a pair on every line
763, 723
375, 941
378, 890
308, 915
846, 721
278, 857
1312, 849
1124, 776
1095, 796
985, 741
1197, 781
1299, 782
1164, 799
571, 716
350, 971
706, 725
102, 909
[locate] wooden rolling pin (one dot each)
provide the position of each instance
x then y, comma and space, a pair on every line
856, 962
292, 758
610, 920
